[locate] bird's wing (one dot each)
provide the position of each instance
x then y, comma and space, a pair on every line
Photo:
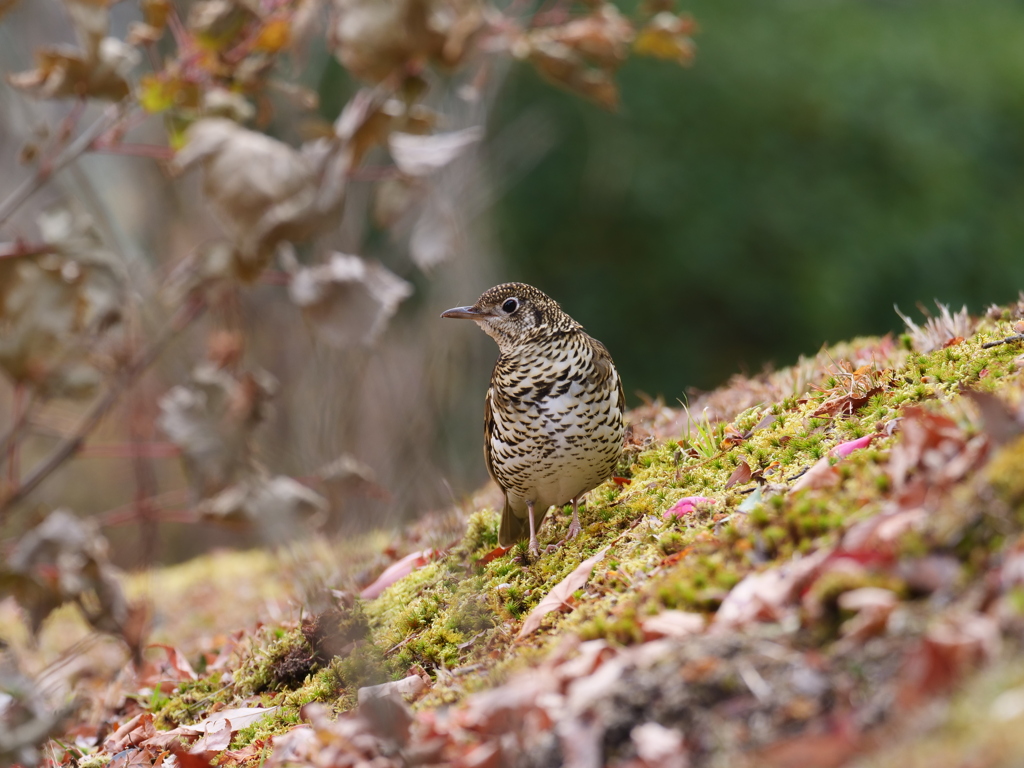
604, 369
488, 432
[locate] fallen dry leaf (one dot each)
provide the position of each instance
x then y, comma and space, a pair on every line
411, 687
931, 455
872, 607
397, 571
674, 624
558, 598
822, 474
740, 475
767, 595
658, 746
217, 738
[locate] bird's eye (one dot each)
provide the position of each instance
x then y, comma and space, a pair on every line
510, 306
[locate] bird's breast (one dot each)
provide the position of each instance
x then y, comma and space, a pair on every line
557, 428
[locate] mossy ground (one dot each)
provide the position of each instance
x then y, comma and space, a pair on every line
456, 618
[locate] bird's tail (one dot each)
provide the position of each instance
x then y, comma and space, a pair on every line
514, 528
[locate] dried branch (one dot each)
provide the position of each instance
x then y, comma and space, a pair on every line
1007, 340
72, 152
70, 445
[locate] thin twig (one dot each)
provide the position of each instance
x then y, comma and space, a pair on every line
79, 146
1007, 340
18, 406
160, 503
21, 419
70, 445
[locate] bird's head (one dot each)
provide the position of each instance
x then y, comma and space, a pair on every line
514, 314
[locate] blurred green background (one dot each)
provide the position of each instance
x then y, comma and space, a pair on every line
819, 162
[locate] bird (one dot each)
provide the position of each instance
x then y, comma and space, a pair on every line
554, 412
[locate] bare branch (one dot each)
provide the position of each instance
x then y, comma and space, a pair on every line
70, 445
72, 152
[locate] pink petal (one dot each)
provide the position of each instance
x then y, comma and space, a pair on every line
843, 450
686, 505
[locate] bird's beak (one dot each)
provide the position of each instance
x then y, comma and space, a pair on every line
465, 313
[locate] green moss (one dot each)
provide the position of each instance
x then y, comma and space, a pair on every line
189, 701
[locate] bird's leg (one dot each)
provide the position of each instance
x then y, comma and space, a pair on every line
574, 526
534, 547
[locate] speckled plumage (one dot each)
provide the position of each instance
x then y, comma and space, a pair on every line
553, 421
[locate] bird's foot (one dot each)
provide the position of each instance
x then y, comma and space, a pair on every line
574, 530
534, 547
553, 547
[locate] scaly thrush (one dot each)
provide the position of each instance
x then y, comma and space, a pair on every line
553, 418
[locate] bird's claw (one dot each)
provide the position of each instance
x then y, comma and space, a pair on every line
573, 532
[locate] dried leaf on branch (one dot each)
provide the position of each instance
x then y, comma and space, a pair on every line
212, 420
97, 69
274, 505
63, 560
56, 305
667, 36
422, 155
373, 39
348, 300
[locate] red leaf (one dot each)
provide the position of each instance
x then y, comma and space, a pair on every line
494, 554
739, 476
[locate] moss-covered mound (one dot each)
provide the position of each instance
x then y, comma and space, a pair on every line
795, 565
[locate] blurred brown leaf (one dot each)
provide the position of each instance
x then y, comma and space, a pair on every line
372, 39
6, 5
55, 306
61, 560
740, 476
217, 23
667, 36
262, 190
932, 454
348, 300
97, 69
273, 505
212, 420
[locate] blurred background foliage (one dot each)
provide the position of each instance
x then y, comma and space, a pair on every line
818, 162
